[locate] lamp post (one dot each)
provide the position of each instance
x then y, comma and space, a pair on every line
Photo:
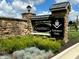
29, 8
77, 23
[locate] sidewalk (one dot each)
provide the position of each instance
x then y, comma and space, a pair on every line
6, 57
70, 53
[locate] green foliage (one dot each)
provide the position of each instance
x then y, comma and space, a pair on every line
74, 36
33, 53
12, 44
73, 26
47, 44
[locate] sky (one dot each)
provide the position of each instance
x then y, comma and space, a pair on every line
14, 8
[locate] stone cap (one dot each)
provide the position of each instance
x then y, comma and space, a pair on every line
40, 17
13, 19
60, 6
29, 13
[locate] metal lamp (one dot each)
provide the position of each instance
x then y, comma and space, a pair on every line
29, 8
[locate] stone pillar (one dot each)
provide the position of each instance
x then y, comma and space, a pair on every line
64, 16
66, 28
60, 12
28, 17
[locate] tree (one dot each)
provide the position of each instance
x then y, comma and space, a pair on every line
70, 24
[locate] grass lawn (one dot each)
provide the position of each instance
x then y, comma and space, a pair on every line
74, 36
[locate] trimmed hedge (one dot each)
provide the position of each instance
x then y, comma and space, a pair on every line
12, 44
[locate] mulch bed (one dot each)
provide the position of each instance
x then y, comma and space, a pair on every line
67, 45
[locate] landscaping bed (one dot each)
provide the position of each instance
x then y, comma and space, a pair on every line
41, 43
12, 44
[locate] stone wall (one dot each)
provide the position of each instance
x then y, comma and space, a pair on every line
12, 27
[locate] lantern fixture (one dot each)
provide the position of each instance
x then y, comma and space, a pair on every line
29, 8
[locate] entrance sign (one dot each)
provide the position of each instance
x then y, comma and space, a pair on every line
42, 27
57, 28
58, 21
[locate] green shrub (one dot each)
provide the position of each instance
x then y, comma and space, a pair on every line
47, 44
20, 42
